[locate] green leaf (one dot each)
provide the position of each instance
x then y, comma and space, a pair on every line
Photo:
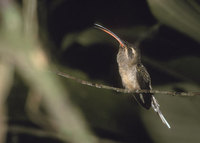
178, 14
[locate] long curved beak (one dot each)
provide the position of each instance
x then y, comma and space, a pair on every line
110, 33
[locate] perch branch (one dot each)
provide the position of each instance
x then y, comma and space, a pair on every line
84, 82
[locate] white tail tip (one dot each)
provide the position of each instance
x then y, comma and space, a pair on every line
156, 108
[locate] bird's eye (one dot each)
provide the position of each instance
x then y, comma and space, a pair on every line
130, 53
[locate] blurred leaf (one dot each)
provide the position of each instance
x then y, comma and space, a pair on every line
31, 62
188, 66
93, 36
182, 114
182, 15
6, 78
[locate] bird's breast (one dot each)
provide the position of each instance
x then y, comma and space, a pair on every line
129, 78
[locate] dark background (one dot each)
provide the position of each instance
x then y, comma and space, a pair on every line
170, 55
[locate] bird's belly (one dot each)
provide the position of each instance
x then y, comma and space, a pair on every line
129, 80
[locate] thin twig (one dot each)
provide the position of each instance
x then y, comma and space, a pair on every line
84, 82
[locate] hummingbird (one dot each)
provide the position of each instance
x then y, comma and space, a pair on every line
133, 74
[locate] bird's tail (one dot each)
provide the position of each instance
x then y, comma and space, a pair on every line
156, 108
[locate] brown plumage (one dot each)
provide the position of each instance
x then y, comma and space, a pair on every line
133, 74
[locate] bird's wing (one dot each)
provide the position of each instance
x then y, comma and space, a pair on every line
144, 81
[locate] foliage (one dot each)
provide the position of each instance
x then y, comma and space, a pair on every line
39, 37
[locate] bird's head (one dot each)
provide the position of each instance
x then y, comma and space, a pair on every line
128, 54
